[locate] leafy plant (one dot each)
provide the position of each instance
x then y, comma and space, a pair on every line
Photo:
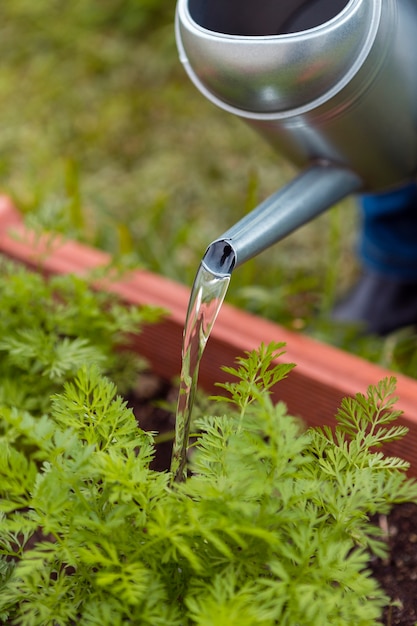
50, 328
270, 528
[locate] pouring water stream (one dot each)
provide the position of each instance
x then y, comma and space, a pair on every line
206, 299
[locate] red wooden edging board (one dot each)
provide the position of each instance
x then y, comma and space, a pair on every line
313, 390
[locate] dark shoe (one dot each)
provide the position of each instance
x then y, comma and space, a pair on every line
380, 305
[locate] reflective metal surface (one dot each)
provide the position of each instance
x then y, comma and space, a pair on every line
270, 72
319, 79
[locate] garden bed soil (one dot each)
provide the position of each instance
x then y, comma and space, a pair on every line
397, 574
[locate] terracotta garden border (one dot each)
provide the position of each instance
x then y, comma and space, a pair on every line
313, 391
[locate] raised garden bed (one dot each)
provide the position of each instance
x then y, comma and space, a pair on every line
323, 376
313, 391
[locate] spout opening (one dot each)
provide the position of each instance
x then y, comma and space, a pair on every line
267, 17
220, 258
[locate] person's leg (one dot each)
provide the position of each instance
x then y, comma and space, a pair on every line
389, 233
385, 297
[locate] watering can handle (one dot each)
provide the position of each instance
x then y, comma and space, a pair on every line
312, 192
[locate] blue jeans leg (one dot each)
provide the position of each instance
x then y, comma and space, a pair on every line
388, 243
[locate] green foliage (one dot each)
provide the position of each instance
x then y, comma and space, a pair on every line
270, 528
50, 328
255, 375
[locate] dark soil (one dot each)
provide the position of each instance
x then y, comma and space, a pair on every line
397, 574
154, 402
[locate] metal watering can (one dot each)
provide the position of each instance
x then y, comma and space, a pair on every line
332, 84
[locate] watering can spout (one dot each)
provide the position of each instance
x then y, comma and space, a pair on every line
308, 195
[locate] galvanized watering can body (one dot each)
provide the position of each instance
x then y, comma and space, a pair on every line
332, 84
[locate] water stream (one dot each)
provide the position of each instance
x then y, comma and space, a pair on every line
206, 299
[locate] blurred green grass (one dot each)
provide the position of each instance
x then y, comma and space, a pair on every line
103, 136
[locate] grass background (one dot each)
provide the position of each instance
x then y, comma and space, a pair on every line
104, 137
